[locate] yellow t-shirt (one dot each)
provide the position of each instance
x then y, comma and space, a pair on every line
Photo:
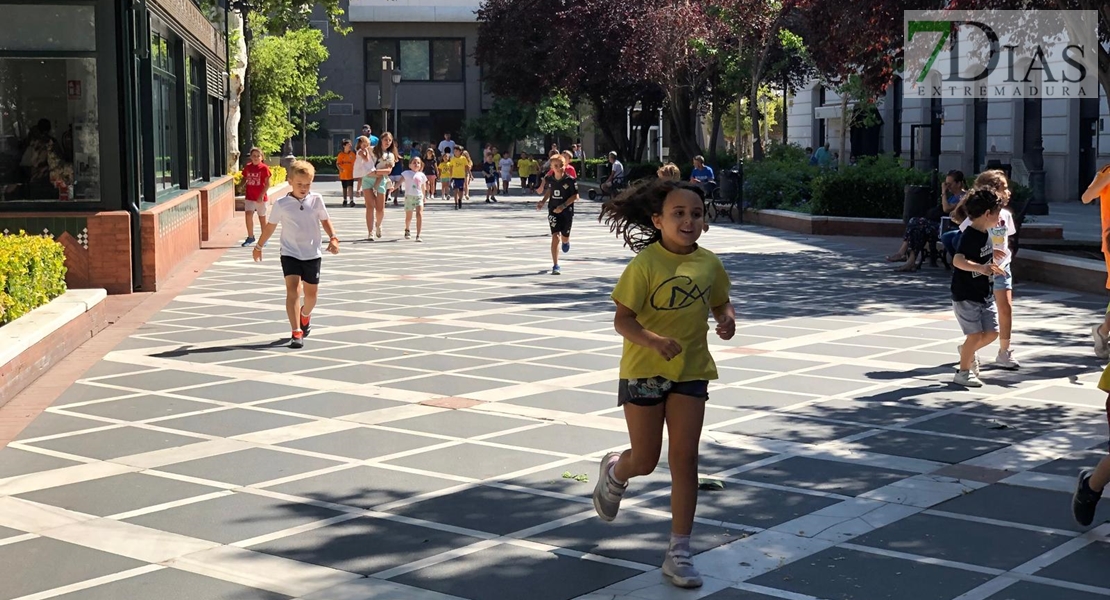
1104, 381
672, 295
458, 167
522, 167
445, 170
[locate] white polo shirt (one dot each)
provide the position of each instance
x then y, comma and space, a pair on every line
300, 229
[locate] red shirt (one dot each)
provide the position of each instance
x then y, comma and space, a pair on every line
569, 170
255, 177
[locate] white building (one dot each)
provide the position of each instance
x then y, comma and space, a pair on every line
967, 133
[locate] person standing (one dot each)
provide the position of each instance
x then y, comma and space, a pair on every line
446, 146
368, 133
431, 172
415, 182
386, 156
489, 172
256, 179
459, 172
1100, 189
506, 166
345, 162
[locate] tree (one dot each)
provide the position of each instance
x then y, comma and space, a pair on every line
284, 83
509, 121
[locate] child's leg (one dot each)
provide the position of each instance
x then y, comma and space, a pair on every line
261, 222
1004, 299
684, 415
311, 291
967, 351
986, 339
645, 432
419, 219
249, 215
555, 248
1100, 477
379, 208
293, 301
368, 201
408, 219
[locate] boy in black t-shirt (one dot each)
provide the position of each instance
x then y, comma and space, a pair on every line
560, 195
489, 170
972, 283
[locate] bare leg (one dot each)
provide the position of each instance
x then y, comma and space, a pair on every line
419, 220
645, 431
249, 216
311, 292
408, 219
368, 201
379, 208
293, 301
554, 248
684, 415
1005, 301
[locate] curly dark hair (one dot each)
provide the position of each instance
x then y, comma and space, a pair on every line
980, 201
629, 214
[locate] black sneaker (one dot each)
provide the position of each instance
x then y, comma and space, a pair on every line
297, 341
306, 325
344, 203
1085, 500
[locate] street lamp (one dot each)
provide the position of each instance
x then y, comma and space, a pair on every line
396, 77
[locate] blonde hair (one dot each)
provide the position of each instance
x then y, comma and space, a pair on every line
361, 139
558, 158
669, 171
417, 159
996, 181
302, 167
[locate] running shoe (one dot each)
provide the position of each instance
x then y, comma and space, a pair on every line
968, 379
487, 201
495, 198
1085, 500
418, 240
344, 203
250, 240
566, 247
976, 366
607, 493
1102, 343
556, 270
407, 235
679, 568
1006, 360
378, 231
297, 341
306, 325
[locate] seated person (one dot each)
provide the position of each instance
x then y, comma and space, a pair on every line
921, 229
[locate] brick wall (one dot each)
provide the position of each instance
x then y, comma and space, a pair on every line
110, 252
170, 234
217, 205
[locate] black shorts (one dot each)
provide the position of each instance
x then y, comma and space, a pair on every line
348, 184
561, 223
533, 181
655, 391
491, 181
307, 270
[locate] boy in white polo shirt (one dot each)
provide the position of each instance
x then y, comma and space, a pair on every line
300, 214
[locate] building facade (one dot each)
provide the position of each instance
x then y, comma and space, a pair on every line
968, 133
112, 133
431, 43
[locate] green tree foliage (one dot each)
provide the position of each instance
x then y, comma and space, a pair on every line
284, 83
509, 121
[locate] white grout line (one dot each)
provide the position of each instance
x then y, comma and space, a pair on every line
91, 583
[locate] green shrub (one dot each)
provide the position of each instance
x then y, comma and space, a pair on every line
324, 164
277, 177
872, 189
778, 184
32, 273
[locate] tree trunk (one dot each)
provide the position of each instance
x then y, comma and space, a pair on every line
753, 112
715, 133
304, 135
845, 121
238, 63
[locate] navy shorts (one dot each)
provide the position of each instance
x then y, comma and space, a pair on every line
307, 270
458, 183
656, 390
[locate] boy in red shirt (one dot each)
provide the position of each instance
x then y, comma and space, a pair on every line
256, 176
1100, 188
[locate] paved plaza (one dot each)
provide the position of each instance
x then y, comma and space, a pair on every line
438, 436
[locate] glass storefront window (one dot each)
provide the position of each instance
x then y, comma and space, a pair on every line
57, 28
447, 60
195, 105
415, 60
164, 101
49, 129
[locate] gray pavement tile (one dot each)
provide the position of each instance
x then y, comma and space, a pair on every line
735, 594
238, 392
986, 427
714, 458
44, 564
429, 344
117, 494
818, 386
778, 332
578, 479
927, 333
1073, 394
762, 362
172, 584
1087, 566
106, 368
881, 341
1018, 504
842, 574
286, 363
219, 354
363, 443
248, 467
15, 462
750, 505
1072, 464
231, 422
199, 336
634, 536
48, 423
162, 379
941, 361
6, 532
357, 353
872, 413
536, 575
566, 344
372, 373
588, 361
461, 423
575, 401
928, 447
742, 397
969, 542
331, 404
837, 350
115, 443
82, 392
364, 487
496, 336
1026, 590
473, 460
825, 476
233, 518
1037, 411
482, 508
447, 385
141, 408
506, 352
134, 343
438, 330
523, 372
565, 438
365, 545
782, 427
359, 336
437, 362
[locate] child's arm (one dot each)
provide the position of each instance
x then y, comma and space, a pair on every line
725, 315
543, 200
1095, 189
626, 324
267, 231
333, 242
962, 263
563, 206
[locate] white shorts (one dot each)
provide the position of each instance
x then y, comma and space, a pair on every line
256, 207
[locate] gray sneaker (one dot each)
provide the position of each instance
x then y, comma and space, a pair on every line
1102, 343
679, 568
968, 379
975, 364
1006, 360
607, 494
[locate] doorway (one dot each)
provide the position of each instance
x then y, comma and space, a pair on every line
1088, 142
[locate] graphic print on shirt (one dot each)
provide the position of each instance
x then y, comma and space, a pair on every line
987, 250
679, 292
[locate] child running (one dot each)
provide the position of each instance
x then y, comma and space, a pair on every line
469, 174
489, 171
445, 174
256, 179
300, 214
346, 164
663, 299
459, 172
972, 278
561, 194
364, 170
1088, 490
415, 182
1100, 189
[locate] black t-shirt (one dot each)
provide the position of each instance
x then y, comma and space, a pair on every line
976, 247
561, 190
489, 169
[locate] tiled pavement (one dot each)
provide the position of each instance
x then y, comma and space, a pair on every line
430, 440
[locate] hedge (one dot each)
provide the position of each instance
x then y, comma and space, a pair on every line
872, 189
32, 273
324, 164
277, 177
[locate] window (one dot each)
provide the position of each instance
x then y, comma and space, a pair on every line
418, 59
164, 101
49, 126
428, 126
195, 104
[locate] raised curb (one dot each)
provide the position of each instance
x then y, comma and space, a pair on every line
1080, 274
860, 227
277, 191
33, 343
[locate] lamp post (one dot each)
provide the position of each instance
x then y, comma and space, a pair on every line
396, 78
385, 91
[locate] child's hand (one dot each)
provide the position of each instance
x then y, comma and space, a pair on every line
999, 255
333, 246
257, 254
726, 328
558, 209
666, 347
540, 205
996, 270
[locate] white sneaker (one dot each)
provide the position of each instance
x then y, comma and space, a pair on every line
378, 232
1102, 343
968, 379
975, 364
1006, 360
678, 567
